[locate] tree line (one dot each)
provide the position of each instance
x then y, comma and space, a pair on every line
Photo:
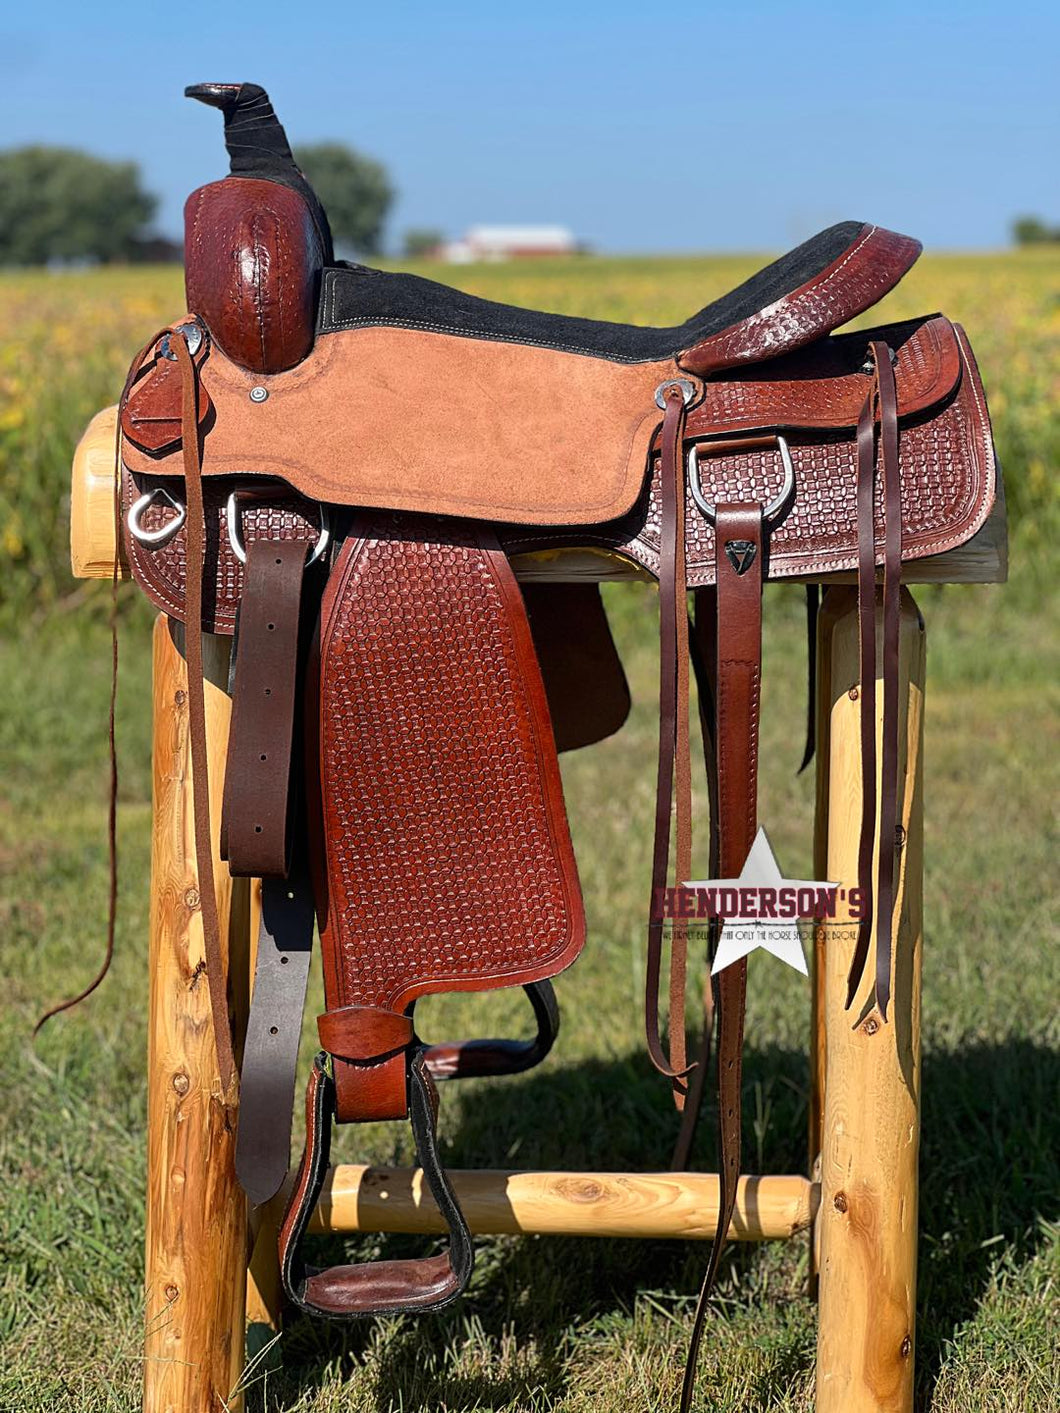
59, 205
1032, 230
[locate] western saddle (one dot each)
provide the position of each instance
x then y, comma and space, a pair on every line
335, 465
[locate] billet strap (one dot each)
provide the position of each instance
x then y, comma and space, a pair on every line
880, 411
269, 1073
256, 839
373, 1287
674, 765
738, 565
476, 1059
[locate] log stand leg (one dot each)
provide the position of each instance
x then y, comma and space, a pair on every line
869, 1071
834, 605
196, 1256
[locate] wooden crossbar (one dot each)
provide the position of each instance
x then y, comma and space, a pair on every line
679, 1205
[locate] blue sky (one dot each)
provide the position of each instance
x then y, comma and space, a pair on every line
695, 126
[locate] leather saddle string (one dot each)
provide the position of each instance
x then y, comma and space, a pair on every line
813, 608
738, 694
112, 744
881, 406
892, 583
196, 531
216, 969
674, 753
703, 655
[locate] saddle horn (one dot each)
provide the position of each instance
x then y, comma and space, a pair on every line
257, 144
255, 242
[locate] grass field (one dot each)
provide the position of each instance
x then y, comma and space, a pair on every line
551, 1324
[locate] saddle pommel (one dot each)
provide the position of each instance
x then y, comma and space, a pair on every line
256, 242
215, 95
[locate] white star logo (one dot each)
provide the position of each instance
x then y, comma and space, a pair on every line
741, 935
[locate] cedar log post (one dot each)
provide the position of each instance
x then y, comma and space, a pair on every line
196, 1253
835, 602
870, 1131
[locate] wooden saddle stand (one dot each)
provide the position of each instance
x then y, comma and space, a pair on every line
346, 490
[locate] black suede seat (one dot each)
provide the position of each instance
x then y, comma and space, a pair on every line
355, 296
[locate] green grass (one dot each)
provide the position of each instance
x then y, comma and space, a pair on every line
554, 1324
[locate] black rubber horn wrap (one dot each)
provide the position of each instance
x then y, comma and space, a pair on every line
257, 144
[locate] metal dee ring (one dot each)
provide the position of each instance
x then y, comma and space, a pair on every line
166, 532
779, 502
238, 549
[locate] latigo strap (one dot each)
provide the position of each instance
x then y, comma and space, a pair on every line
269, 1075
259, 800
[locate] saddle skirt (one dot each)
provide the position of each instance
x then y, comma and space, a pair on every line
561, 448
